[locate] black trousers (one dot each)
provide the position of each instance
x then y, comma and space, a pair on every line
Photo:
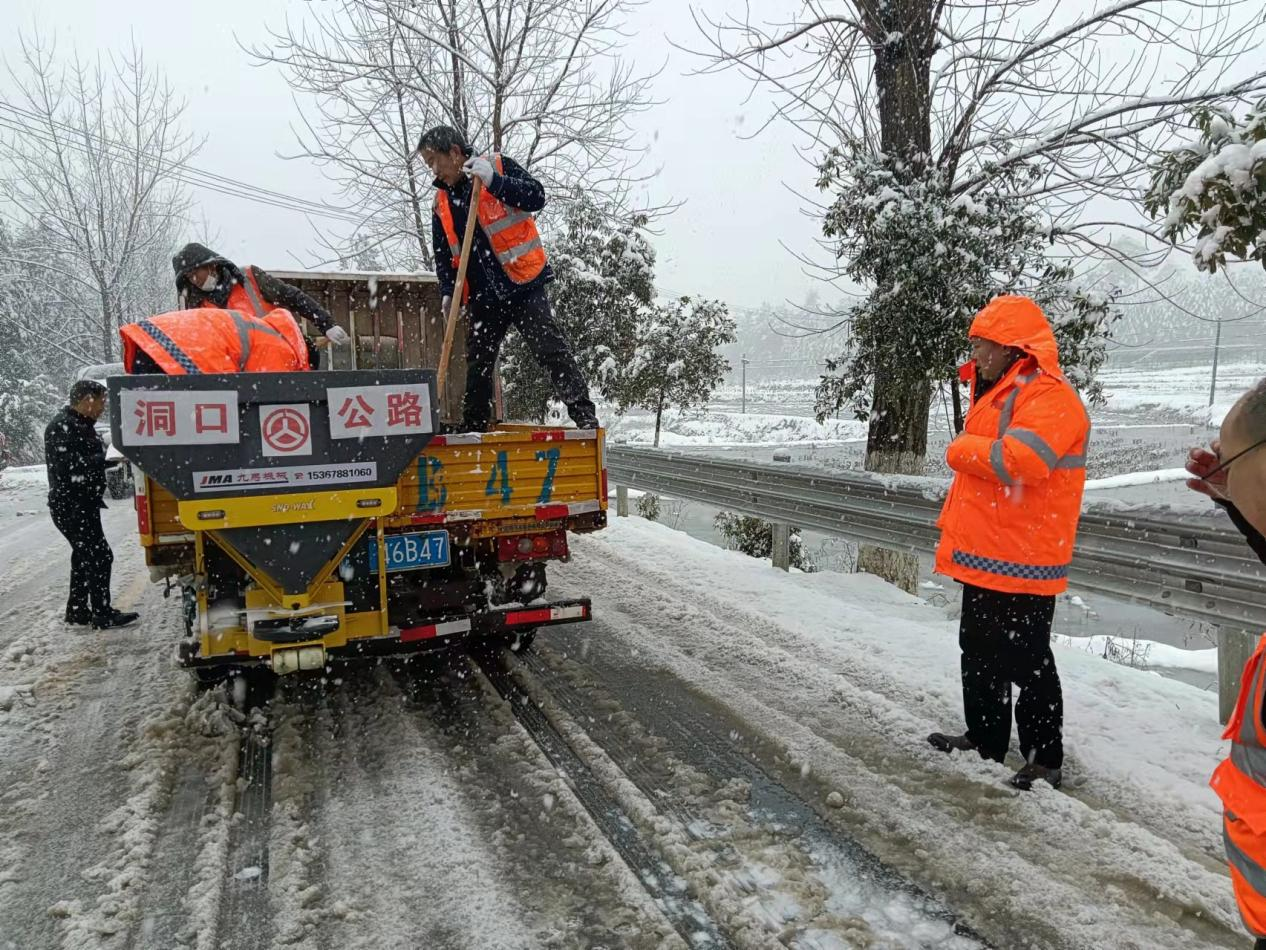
1006, 641
90, 559
530, 312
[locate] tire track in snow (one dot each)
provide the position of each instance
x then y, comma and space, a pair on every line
373, 845
669, 892
769, 864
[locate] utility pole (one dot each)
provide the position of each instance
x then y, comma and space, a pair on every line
1217, 345
744, 360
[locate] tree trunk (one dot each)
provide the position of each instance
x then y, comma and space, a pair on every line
956, 391
106, 319
659, 415
897, 445
460, 119
898, 436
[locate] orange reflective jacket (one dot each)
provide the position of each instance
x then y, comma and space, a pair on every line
511, 233
211, 340
1010, 519
1240, 782
244, 297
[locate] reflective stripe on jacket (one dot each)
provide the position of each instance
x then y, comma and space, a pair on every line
1240, 781
244, 297
511, 233
210, 340
1010, 519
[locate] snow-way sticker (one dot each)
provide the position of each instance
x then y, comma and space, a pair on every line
306, 476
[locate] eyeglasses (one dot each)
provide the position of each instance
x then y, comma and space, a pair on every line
1222, 466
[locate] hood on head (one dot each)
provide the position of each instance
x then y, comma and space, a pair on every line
195, 255
1019, 322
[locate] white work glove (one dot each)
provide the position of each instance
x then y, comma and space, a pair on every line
337, 335
481, 168
445, 304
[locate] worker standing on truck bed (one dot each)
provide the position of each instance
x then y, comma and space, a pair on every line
507, 274
205, 279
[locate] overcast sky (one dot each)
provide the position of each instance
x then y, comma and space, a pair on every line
726, 241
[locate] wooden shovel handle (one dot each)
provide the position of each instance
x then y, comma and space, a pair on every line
455, 306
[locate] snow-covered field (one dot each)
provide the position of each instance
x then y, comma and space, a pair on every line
1178, 393
726, 428
781, 412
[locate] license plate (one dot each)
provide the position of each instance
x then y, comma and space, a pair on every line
409, 552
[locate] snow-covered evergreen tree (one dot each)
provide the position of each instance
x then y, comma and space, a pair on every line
900, 228
1216, 186
677, 364
604, 280
755, 538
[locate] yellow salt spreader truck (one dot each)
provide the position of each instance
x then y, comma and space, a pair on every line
308, 517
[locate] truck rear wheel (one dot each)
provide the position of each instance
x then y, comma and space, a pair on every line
520, 641
208, 677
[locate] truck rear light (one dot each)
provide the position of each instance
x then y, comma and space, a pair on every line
142, 513
532, 547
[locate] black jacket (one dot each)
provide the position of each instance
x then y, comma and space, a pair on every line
515, 189
274, 291
76, 459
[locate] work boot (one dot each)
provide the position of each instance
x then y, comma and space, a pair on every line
78, 618
943, 743
1024, 779
115, 619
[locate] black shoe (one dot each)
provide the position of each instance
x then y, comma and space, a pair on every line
1024, 779
587, 422
114, 619
943, 743
78, 618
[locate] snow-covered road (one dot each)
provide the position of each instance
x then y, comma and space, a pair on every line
727, 756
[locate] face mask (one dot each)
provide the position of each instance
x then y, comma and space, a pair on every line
208, 285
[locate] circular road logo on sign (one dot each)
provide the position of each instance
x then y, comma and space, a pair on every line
286, 430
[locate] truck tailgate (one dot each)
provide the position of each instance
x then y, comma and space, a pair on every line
519, 472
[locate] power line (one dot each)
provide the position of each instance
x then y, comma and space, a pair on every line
184, 173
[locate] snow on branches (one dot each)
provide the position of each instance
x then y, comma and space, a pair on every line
604, 278
677, 364
1216, 185
931, 260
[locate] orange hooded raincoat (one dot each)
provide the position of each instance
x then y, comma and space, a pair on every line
1010, 519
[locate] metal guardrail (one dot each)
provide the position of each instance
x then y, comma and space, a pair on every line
1188, 565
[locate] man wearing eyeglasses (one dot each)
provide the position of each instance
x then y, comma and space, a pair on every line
1232, 471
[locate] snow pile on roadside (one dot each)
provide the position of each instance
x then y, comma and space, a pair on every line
23, 488
24, 477
1142, 654
849, 675
1132, 479
725, 428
